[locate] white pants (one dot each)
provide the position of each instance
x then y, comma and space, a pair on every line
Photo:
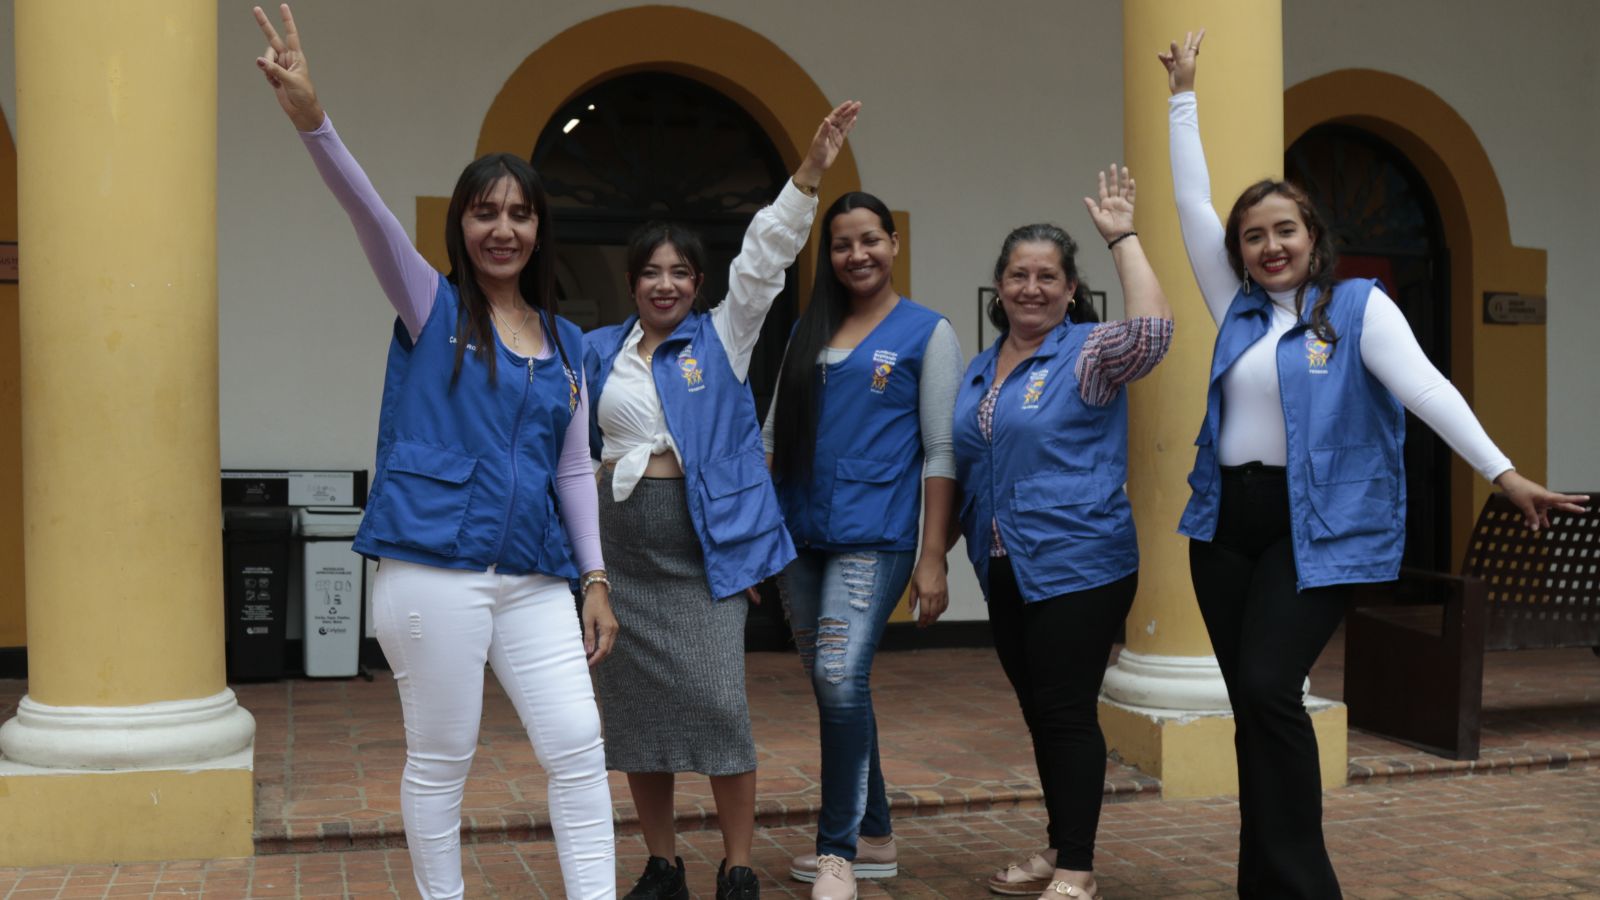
437, 627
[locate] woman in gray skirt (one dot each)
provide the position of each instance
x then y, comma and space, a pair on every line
689, 519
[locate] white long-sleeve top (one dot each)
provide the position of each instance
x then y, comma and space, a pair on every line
1253, 429
630, 410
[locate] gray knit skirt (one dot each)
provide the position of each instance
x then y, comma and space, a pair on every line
672, 691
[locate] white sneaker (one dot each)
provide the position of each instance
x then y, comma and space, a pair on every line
872, 861
835, 879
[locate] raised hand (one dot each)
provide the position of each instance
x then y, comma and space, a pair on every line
284, 65
1180, 62
1535, 501
1113, 214
827, 143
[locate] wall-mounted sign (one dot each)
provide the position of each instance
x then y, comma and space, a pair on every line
1513, 309
8, 262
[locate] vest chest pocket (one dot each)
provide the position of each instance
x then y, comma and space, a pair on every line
862, 506
424, 497
1353, 491
737, 498
1047, 508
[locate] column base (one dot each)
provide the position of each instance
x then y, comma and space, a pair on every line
63, 817
115, 738
1192, 752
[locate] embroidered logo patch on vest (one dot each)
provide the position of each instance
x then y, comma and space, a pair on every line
1034, 389
1317, 351
572, 390
882, 367
689, 368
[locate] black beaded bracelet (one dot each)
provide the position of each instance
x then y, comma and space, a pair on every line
1120, 238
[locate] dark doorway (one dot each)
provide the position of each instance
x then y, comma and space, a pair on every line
1386, 225
651, 145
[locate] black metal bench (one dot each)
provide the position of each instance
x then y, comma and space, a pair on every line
1414, 648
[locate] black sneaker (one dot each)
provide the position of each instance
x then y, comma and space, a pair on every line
661, 881
737, 883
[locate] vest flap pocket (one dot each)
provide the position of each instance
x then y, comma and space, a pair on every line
432, 462
871, 471
739, 501
1353, 492
1344, 465
1057, 489
423, 498
732, 474
1205, 464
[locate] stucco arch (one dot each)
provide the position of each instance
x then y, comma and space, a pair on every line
742, 64
1499, 368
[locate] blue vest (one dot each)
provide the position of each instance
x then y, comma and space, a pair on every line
1052, 477
712, 418
865, 489
466, 473
1347, 487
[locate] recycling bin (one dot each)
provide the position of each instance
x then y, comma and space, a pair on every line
256, 554
332, 575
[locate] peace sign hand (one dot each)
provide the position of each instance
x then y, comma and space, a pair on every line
827, 143
284, 65
1113, 214
1180, 62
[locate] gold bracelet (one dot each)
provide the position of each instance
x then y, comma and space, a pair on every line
808, 190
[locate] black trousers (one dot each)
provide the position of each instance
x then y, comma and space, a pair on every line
1266, 636
1054, 652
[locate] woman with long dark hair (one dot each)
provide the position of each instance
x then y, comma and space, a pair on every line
483, 506
689, 519
1298, 488
859, 431
1041, 437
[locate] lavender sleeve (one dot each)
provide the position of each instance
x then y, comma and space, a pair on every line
576, 492
406, 278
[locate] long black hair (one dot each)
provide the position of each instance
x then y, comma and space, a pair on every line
1081, 309
794, 431
536, 281
1324, 255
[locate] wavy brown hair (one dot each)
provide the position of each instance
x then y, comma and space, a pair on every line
1324, 256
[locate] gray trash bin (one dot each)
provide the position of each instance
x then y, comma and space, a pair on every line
332, 577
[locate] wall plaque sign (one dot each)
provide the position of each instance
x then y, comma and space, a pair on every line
1513, 309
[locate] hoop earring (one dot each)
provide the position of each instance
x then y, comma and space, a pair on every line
1247, 286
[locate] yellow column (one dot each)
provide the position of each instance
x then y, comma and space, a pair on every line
1165, 707
128, 723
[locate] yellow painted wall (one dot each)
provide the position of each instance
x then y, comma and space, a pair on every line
1500, 369
13, 619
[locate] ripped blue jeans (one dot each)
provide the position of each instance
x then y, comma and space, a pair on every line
838, 604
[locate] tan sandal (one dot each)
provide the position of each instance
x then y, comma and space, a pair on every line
1070, 890
1024, 880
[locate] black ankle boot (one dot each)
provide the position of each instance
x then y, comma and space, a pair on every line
737, 883
661, 880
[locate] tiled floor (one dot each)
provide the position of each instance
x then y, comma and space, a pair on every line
1533, 834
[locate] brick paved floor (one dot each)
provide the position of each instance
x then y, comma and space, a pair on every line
1527, 834
329, 753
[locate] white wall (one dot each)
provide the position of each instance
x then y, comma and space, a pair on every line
977, 119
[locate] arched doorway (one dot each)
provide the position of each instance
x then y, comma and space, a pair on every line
655, 145
1386, 225
1499, 369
